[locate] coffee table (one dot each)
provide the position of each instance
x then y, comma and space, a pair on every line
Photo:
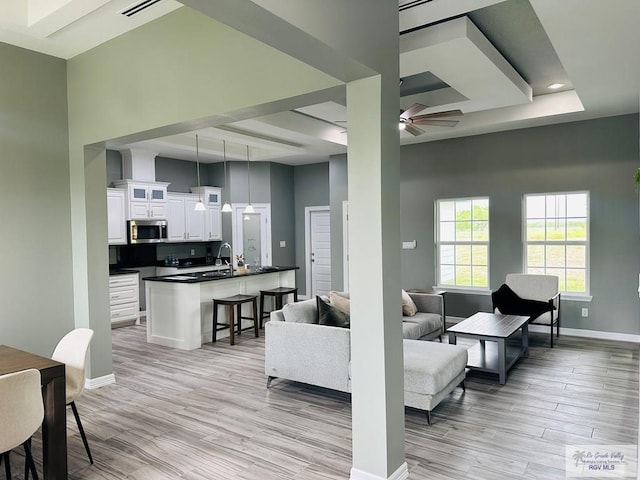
496, 356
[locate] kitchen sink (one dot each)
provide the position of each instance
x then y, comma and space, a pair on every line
216, 274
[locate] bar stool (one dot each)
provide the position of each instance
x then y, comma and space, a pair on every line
234, 301
277, 294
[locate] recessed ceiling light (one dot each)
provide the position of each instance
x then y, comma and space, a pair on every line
555, 86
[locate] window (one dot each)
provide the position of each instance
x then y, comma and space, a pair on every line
557, 238
463, 242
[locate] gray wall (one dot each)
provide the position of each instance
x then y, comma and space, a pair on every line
598, 155
36, 291
338, 185
282, 215
311, 188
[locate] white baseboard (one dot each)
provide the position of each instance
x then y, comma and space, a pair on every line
91, 383
402, 473
579, 332
575, 332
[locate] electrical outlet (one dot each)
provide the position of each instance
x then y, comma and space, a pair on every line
283, 243
193, 251
585, 312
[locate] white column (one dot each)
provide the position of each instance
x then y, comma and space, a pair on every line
374, 279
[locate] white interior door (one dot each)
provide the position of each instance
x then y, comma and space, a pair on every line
318, 251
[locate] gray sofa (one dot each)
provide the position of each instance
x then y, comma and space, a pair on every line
298, 349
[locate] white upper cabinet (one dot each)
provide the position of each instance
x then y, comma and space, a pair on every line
212, 198
116, 222
145, 200
184, 223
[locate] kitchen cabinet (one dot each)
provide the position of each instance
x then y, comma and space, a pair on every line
184, 223
124, 302
145, 200
212, 198
116, 213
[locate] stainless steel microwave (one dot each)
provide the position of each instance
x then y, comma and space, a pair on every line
147, 231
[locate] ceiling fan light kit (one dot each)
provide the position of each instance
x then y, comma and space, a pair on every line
409, 119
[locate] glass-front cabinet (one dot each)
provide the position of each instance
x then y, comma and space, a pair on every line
145, 200
212, 199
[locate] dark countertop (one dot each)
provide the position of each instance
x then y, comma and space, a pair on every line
199, 277
121, 271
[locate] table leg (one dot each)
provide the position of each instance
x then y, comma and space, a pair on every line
54, 430
502, 360
452, 338
525, 340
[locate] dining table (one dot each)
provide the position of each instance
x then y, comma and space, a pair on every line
54, 424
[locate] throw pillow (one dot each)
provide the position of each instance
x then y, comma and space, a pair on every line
331, 316
301, 312
409, 308
341, 303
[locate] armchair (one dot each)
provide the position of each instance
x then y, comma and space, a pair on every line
543, 288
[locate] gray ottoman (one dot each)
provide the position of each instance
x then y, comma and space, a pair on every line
431, 371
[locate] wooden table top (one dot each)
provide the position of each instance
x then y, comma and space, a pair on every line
490, 325
14, 360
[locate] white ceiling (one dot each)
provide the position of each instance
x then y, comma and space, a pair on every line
496, 72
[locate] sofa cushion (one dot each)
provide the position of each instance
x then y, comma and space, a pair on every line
431, 366
330, 315
409, 308
427, 322
301, 312
410, 330
341, 302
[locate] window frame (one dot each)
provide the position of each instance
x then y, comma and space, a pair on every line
586, 243
471, 243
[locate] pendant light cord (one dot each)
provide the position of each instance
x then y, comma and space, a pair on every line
224, 157
248, 177
198, 162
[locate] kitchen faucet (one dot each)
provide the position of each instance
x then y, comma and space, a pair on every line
230, 264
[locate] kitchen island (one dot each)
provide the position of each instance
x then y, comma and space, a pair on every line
180, 307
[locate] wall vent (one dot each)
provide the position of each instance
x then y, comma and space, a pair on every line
138, 7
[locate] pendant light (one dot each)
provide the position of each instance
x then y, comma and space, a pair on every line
249, 208
226, 208
199, 206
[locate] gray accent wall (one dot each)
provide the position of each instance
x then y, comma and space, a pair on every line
36, 290
599, 156
282, 215
311, 189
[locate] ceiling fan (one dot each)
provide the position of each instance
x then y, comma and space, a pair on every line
409, 120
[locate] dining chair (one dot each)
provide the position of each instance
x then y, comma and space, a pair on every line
72, 351
21, 414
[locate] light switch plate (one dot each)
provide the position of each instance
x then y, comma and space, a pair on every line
283, 243
409, 245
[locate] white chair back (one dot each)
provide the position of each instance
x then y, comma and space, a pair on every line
533, 287
21, 408
72, 351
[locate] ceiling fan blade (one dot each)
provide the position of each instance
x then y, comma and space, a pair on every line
413, 130
436, 123
412, 110
447, 113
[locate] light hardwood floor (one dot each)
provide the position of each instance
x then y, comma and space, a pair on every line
206, 414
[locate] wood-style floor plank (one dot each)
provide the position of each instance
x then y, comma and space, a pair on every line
207, 414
